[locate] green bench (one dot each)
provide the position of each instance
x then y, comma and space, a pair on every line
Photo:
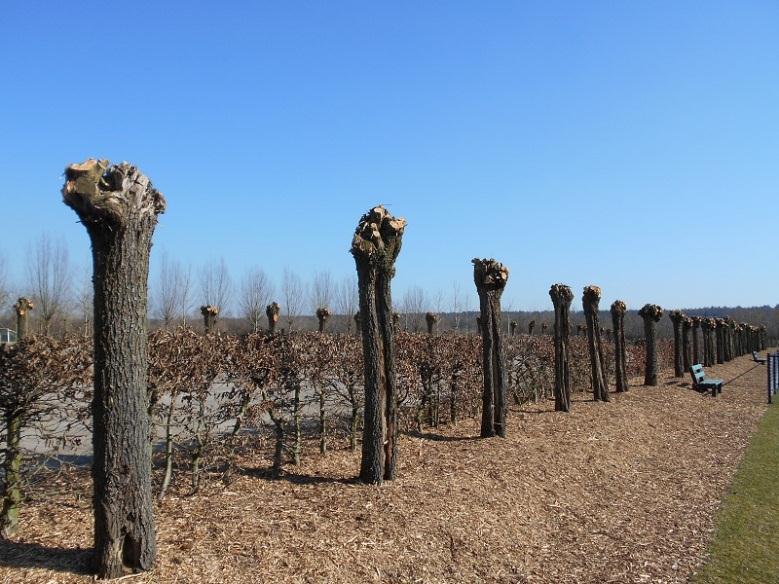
702, 383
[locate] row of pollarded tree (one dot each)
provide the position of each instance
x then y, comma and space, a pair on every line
119, 207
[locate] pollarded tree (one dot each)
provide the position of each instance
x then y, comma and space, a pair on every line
210, 315
375, 246
708, 325
530, 326
686, 354
431, 319
696, 341
720, 340
561, 298
490, 277
119, 206
22, 308
322, 316
677, 317
590, 302
618, 308
272, 312
513, 326
651, 313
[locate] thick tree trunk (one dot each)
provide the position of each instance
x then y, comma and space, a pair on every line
561, 298
590, 302
490, 277
322, 315
119, 208
14, 420
210, 315
720, 340
618, 309
375, 247
677, 317
431, 319
686, 354
651, 313
696, 341
272, 312
530, 326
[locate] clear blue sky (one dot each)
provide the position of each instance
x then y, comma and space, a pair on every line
634, 145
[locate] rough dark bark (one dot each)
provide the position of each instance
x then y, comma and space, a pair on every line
322, 316
618, 309
686, 353
677, 317
651, 313
720, 340
696, 340
590, 302
431, 319
513, 327
210, 316
561, 298
530, 326
490, 277
272, 311
119, 208
12, 481
708, 325
375, 247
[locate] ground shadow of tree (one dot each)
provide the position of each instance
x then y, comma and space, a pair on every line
16, 554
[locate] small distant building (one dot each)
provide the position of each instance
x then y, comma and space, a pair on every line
7, 336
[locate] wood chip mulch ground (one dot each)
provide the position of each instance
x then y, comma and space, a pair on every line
625, 491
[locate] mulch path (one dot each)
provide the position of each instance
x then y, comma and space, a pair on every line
625, 491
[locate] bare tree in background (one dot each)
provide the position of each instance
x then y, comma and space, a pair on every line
413, 307
293, 292
49, 279
457, 305
321, 291
4, 287
347, 300
256, 292
185, 293
168, 290
216, 287
85, 296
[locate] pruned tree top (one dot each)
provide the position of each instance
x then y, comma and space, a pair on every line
98, 191
618, 307
590, 298
489, 274
23, 306
676, 316
378, 237
561, 293
431, 317
272, 310
651, 311
209, 309
322, 312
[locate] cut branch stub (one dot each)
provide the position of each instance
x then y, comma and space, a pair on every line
378, 238
23, 306
99, 192
490, 275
